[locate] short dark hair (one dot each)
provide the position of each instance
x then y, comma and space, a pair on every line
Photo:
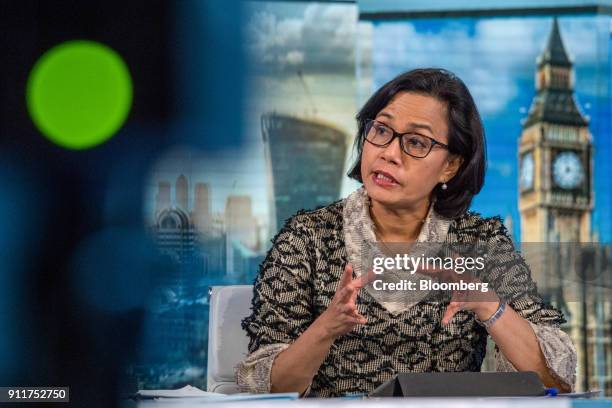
466, 136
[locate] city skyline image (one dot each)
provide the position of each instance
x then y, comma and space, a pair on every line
541, 85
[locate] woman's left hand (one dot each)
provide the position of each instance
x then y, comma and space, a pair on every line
483, 304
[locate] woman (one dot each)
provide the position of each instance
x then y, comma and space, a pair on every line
421, 160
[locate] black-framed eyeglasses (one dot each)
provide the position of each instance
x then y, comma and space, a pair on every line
413, 144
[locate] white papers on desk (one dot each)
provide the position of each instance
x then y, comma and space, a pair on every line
185, 392
193, 394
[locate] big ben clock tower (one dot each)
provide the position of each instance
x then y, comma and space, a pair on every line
555, 164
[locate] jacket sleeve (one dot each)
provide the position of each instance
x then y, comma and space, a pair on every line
281, 306
511, 278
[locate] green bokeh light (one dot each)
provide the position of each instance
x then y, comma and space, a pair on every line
79, 94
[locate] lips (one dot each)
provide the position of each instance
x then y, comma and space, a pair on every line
383, 178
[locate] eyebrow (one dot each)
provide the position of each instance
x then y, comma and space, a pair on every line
412, 125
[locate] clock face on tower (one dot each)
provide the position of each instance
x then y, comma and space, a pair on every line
567, 170
526, 172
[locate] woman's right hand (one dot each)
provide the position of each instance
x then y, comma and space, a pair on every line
295, 367
341, 316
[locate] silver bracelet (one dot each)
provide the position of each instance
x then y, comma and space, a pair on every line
491, 320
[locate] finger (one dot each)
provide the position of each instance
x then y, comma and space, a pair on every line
350, 291
459, 296
358, 315
361, 281
345, 294
357, 284
356, 319
353, 299
364, 279
348, 308
450, 312
347, 276
361, 317
340, 293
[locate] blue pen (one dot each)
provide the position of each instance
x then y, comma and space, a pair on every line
551, 392
355, 396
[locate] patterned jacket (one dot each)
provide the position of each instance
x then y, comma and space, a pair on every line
300, 275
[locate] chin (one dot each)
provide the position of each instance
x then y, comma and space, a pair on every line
394, 198
383, 196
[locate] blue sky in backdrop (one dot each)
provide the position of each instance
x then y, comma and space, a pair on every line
496, 57
343, 60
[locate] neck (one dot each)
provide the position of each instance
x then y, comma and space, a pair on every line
398, 225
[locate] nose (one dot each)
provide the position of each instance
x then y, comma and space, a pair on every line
392, 153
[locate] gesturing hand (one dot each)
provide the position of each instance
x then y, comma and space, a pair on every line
483, 304
341, 316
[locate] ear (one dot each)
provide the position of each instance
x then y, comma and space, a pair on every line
452, 166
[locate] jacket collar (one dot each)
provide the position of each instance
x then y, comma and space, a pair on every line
362, 246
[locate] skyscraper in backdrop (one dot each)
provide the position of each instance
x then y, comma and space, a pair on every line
305, 164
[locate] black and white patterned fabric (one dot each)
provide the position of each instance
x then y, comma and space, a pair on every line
301, 273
